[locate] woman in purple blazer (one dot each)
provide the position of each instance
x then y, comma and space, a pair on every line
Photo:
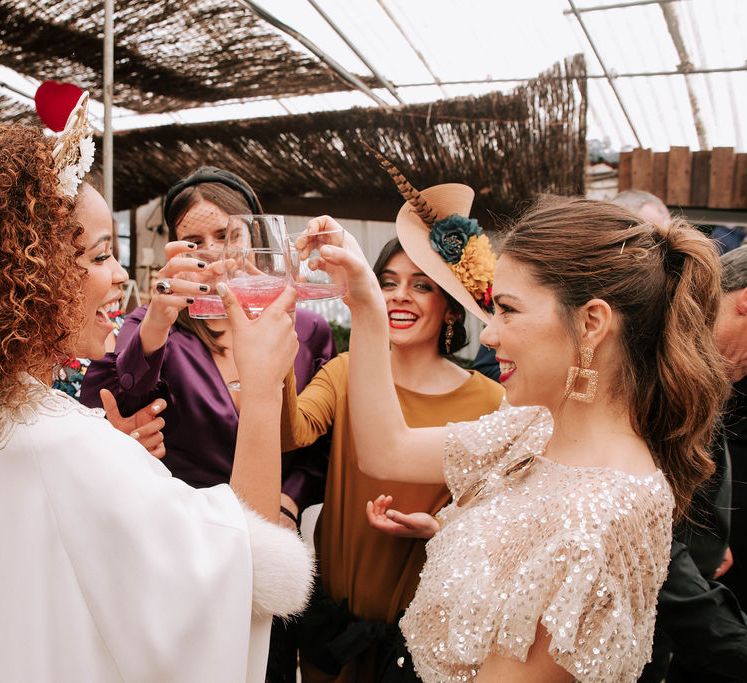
162, 352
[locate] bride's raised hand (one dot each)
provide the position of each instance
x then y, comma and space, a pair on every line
265, 347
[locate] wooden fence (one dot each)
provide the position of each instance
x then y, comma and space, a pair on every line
715, 179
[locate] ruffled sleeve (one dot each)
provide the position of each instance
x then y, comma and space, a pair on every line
473, 448
596, 595
593, 590
133, 379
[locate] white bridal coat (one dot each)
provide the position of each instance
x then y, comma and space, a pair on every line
113, 570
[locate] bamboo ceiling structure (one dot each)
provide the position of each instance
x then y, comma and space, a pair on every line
509, 147
12, 111
170, 54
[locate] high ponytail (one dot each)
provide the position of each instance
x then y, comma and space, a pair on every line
664, 283
679, 409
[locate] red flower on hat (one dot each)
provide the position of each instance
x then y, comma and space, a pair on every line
54, 102
487, 300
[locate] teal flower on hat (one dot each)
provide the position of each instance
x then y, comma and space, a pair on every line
450, 235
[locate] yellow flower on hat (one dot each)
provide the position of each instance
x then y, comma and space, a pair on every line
475, 268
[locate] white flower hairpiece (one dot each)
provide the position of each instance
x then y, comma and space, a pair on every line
73, 153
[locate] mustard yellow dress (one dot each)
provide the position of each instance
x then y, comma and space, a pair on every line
377, 574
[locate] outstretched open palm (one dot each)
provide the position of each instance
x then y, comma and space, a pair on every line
383, 517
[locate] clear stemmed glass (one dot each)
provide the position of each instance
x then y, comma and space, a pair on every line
312, 282
257, 261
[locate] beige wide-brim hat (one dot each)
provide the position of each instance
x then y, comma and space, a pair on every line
415, 237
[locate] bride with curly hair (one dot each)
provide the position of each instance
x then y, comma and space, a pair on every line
112, 569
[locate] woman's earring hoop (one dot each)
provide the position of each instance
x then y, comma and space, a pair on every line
584, 372
449, 336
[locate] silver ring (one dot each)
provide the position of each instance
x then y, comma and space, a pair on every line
163, 287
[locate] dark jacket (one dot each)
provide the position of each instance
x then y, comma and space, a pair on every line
699, 623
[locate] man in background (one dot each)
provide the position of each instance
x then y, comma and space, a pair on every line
646, 206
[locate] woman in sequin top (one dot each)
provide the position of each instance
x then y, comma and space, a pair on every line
548, 562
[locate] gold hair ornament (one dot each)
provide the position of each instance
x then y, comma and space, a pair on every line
74, 150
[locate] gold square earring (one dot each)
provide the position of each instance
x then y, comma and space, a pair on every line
584, 372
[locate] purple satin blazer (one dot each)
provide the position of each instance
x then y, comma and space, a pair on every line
201, 418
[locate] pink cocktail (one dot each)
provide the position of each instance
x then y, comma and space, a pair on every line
256, 292
206, 307
318, 291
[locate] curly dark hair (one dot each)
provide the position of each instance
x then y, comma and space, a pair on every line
40, 281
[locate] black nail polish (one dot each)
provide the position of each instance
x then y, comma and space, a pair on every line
191, 245
190, 300
201, 264
204, 288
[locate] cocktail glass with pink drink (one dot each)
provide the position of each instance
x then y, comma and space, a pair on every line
257, 277
256, 259
207, 306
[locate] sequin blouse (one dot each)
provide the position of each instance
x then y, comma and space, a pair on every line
583, 550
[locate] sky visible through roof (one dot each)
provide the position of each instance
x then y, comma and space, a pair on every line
432, 49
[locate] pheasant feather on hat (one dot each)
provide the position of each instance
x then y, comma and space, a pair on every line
437, 234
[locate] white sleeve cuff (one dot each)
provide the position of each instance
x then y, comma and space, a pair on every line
283, 568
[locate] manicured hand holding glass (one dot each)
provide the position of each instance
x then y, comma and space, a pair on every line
310, 277
264, 347
206, 306
143, 426
381, 516
172, 294
343, 259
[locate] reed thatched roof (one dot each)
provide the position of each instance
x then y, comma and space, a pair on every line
12, 111
507, 146
169, 54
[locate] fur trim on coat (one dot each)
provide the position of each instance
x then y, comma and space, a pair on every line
283, 568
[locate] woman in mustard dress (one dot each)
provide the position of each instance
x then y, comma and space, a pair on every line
367, 579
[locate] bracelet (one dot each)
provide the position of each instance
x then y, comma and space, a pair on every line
284, 510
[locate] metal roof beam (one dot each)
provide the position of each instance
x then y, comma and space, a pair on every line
419, 54
340, 70
384, 81
686, 67
607, 74
630, 74
617, 5
16, 91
